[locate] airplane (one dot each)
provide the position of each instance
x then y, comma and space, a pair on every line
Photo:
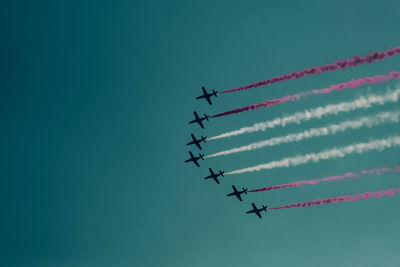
207, 96
257, 211
195, 159
197, 141
198, 119
237, 193
215, 175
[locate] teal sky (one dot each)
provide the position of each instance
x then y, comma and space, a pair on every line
95, 100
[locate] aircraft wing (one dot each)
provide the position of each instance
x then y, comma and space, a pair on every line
198, 145
239, 197
258, 214
254, 206
208, 98
200, 123
216, 180
197, 164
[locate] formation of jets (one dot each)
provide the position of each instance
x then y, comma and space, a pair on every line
214, 175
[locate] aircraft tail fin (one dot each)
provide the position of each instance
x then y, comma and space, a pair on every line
265, 208
244, 190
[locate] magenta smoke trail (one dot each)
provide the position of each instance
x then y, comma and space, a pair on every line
331, 178
347, 198
341, 64
350, 84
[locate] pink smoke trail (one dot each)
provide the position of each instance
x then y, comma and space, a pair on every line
331, 178
347, 198
350, 84
342, 64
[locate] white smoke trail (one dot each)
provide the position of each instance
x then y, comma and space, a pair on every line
378, 119
359, 148
298, 117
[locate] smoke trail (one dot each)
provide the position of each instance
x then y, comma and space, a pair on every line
369, 122
379, 144
331, 178
347, 198
298, 117
342, 64
350, 84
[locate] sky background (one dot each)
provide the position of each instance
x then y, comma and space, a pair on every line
95, 100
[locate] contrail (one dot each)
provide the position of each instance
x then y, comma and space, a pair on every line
298, 117
370, 121
347, 175
341, 64
347, 198
379, 144
350, 84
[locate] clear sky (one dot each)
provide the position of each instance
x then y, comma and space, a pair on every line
95, 100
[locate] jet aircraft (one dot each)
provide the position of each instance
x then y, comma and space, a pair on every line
237, 193
198, 119
195, 159
256, 210
214, 175
197, 141
207, 96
